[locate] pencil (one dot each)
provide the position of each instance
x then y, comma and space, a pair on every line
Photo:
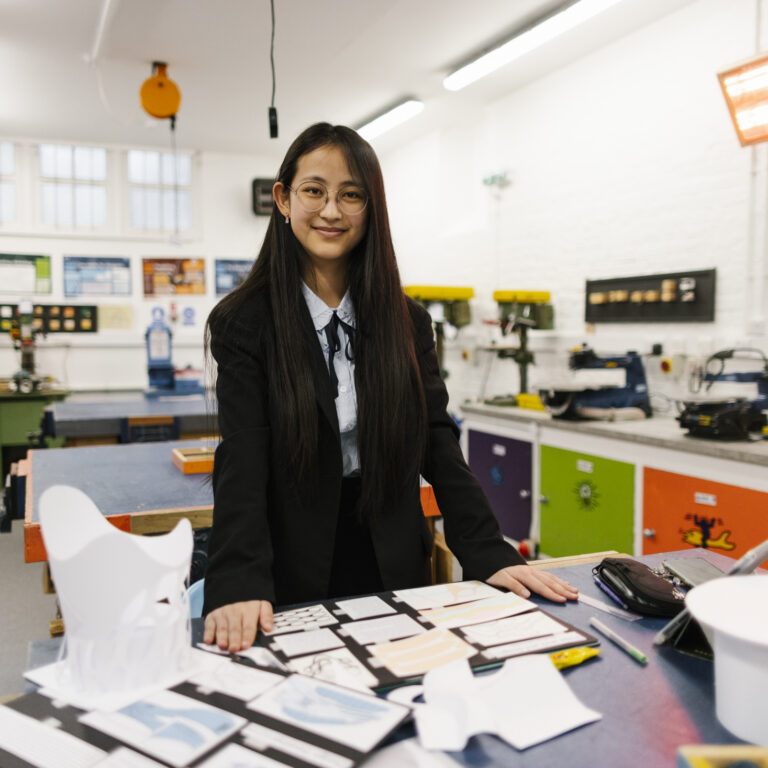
625, 646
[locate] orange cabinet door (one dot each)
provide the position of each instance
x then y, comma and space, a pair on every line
680, 511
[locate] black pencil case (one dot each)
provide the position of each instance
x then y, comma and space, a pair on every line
639, 587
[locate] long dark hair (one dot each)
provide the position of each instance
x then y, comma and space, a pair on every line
390, 396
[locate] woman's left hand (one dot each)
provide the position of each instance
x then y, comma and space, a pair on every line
523, 579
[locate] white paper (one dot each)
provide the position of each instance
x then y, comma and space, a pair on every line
440, 595
44, 746
263, 657
416, 655
169, 726
54, 681
236, 680
235, 756
535, 645
459, 705
310, 617
259, 737
123, 757
308, 642
381, 630
523, 627
339, 666
365, 607
125, 635
355, 719
487, 609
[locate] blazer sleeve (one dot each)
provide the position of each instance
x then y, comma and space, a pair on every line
471, 530
240, 546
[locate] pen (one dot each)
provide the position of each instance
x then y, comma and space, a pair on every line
620, 641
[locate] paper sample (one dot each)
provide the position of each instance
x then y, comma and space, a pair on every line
44, 746
123, 757
339, 666
236, 680
263, 657
124, 635
562, 640
381, 630
235, 756
261, 738
365, 607
355, 719
311, 617
169, 726
439, 595
311, 641
459, 705
523, 627
487, 609
416, 655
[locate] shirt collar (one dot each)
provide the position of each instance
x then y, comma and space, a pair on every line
321, 313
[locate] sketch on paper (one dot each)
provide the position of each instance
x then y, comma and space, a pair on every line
339, 666
310, 617
526, 626
440, 595
481, 610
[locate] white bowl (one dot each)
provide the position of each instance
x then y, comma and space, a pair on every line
734, 613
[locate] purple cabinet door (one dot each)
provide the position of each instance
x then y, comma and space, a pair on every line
503, 467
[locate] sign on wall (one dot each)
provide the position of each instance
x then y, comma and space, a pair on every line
23, 273
163, 277
230, 273
97, 276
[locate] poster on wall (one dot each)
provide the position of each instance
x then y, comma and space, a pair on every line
116, 317
97, 276
163, 277
24, 273
230, 273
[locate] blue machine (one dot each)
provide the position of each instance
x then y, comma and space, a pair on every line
608, 403
162, 373
736, 418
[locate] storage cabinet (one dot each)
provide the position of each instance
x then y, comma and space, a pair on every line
503, 467
586, 503
681, 511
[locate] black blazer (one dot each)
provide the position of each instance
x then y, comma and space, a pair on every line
269, 541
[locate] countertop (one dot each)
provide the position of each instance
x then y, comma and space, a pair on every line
658, 431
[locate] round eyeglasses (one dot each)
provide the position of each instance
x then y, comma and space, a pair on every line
313, 197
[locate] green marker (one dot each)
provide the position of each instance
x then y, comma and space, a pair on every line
637, 655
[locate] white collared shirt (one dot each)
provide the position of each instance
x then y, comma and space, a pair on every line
346, 402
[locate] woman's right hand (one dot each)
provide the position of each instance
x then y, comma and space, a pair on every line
233, 627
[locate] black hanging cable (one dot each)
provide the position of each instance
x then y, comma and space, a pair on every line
272, 110
175, 177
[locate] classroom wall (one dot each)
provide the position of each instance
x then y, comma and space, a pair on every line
116, 359
623, 163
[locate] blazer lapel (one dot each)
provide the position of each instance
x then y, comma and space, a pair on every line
319, 367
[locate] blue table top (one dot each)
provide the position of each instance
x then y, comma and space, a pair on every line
121, 479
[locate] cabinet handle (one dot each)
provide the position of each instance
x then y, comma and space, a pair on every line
649, 533
524, 494
543, 499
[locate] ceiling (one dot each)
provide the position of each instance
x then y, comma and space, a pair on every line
336, 60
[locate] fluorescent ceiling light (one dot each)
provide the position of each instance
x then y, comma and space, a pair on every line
745, 88
543, 32
389, 119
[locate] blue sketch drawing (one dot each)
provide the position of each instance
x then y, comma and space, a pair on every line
165, 723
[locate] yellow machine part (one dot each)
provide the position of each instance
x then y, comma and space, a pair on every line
521, 297
439, 292
531, 402
160, 96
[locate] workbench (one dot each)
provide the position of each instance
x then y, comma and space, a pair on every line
87, 419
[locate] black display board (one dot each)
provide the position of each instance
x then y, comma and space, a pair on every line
54, 318
673, 297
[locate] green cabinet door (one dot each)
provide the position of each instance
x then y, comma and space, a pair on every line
587, 503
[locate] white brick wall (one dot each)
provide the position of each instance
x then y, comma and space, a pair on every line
624, 162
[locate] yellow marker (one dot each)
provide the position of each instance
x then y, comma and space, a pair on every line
570, 657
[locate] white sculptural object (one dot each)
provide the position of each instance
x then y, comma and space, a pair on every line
122, 597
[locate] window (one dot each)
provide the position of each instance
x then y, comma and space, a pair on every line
160, 191
7, 183
73, 186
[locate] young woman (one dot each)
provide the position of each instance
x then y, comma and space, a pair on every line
330, 406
